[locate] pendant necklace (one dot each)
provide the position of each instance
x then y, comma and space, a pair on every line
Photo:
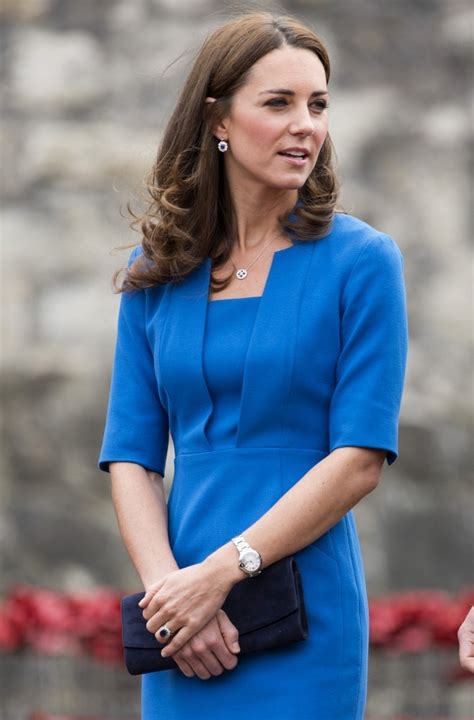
241, 273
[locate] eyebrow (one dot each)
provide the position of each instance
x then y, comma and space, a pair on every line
283, 91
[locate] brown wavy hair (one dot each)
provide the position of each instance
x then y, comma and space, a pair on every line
190, 213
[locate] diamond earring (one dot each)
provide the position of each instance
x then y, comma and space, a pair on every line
222, 146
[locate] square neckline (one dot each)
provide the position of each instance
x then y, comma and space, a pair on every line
259, 297
247, 297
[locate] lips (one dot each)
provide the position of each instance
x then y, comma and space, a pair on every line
294, 157
295, 152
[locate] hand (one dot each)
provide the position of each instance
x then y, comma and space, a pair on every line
466, 641
211, 650
185, 600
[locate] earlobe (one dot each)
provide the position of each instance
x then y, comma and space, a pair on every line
221, 129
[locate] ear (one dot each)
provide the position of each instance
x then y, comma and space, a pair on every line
220, 130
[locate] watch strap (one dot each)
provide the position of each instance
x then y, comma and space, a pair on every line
240, 542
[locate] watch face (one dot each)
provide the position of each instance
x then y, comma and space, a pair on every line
251, 560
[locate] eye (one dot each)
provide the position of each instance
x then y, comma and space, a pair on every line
320, 105
276, 102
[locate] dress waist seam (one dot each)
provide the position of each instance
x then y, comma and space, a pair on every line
253, 448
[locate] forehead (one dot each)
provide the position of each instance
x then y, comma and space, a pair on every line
289, 67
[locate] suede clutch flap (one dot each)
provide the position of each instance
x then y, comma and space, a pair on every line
268, 611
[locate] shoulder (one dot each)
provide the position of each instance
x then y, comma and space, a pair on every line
352, 243
352, 236
141, 303
137, 253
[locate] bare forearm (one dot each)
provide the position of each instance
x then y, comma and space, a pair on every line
140, 505
309, 508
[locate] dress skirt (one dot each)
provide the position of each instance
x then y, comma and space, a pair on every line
216, 494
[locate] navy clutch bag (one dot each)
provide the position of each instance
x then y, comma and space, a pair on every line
268, 611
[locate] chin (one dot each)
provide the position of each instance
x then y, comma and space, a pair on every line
289, 183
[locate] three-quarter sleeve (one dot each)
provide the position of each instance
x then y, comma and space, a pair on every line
136, 427
371, 366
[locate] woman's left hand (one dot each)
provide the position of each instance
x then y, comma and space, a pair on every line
184, 600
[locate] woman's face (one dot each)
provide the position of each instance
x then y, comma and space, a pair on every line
278, 120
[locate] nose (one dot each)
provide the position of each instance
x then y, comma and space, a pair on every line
302, 122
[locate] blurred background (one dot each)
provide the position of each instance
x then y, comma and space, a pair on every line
86, 90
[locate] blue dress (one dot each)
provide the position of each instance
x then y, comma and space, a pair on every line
255, 392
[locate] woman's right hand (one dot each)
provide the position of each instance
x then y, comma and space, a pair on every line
211, 650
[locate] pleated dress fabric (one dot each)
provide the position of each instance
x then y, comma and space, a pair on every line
255, 392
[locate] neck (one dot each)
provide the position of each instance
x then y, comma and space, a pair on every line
256, 212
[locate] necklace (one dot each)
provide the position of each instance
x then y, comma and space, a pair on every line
241, 273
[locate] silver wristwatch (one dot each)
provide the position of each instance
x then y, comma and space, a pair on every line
250, 560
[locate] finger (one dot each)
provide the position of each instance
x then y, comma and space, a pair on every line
146, 599
466, 644
153, 606
200, 645
161, 619
183, 665
151, 609
227, 659
193, 661
177, 641
158, 610
199, 668
466, 651
155, 622
229, 631
210, 662
468, 663
214, 643
150, 593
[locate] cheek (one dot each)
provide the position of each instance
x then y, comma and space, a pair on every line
257, 132
321, 127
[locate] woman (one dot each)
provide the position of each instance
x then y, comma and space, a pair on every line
267, 331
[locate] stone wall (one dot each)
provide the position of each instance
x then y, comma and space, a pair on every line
86, 90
